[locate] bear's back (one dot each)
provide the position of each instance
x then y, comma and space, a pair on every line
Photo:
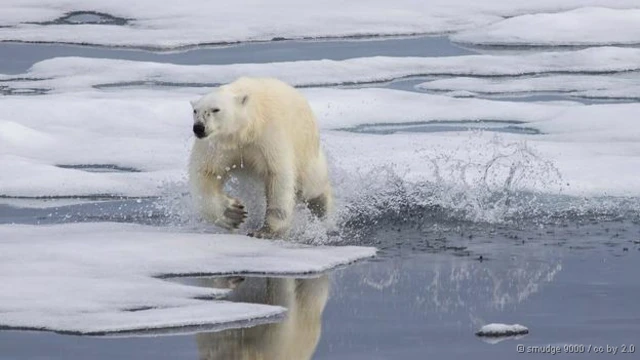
272, 100
263, 86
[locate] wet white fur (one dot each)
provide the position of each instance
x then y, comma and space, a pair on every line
267, 128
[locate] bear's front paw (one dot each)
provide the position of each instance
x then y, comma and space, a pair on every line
233, 215
264, 233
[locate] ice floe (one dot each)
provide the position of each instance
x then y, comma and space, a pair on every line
580, 27
76, 73
202, 22
100, 278
146, 25
496, 330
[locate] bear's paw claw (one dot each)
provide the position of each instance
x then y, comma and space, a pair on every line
234, 215
263, 234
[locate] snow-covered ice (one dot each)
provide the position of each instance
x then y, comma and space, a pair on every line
582, 27
149, 130
502, 330
74, 73
190, 22
202, 22
91, 278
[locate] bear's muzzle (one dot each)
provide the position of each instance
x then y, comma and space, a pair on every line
198, 130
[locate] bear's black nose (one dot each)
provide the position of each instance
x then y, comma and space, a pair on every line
198, 129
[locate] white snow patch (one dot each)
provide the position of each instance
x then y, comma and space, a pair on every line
584, 27
14, 134
82, 278
502, 330
341, 108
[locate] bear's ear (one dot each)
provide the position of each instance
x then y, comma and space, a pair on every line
193, 103
242, 99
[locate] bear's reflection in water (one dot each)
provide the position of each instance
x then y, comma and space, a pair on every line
294, 338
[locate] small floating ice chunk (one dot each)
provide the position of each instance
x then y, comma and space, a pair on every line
500, 330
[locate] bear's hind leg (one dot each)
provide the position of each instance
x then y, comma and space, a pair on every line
280, 191
316, 189
319, 206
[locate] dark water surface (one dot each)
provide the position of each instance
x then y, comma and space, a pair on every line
431, 287
414, 306
18, 57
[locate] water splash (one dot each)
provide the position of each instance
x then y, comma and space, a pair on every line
487, 181
481, 182
490, 182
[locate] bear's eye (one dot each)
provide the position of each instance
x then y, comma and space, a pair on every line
215, 110
194, 111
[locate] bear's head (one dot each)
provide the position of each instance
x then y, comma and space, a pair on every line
220, 114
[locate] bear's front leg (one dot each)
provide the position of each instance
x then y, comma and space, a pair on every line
280, 191
213, 204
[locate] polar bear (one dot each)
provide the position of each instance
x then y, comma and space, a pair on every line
265, 127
